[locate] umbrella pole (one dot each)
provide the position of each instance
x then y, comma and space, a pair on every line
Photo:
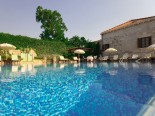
78, 57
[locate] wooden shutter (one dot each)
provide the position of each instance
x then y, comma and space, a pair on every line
150, 41
139, 43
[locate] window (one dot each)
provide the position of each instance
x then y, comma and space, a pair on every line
144, 42
105, 46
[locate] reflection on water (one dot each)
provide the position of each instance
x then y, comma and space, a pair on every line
124, 65
145, 79
28, 69
115, 64
63, 65
14, 68
90, 64
104, 64
9, 73
24, 68
80, 71
112, 72
76, 89
133, 81
149, 65
135, 65
53, 91
76, 64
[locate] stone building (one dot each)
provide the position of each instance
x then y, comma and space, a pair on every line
130, 37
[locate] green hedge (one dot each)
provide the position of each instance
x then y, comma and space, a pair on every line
42, 47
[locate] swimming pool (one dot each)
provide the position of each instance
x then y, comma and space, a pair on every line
86, 89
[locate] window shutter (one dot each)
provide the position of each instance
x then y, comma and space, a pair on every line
150, 41
139, 43
108, 46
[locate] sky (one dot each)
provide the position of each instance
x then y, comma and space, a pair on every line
87, 18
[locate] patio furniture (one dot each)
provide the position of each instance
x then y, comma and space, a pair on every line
146, 57
90, 59
134, 57
124, 57
105, 58
95, 58
62, 59
76, 59
115, 58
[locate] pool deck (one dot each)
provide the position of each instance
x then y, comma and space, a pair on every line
148, 109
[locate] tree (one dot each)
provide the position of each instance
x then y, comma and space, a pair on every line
95, 48
77, 41
52, 24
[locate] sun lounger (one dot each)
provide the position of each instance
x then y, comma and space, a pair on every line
115, 58
105, 58
124, 57
62, 59
95, 58
146, 57
134, 57
90, 59
76, 59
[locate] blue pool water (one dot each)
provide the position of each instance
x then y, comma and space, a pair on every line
89, 89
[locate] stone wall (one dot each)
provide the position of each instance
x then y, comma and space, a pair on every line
125, 40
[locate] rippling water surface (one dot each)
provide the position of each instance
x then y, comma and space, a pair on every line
89, 89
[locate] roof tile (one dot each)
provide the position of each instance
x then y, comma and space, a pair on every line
129, 23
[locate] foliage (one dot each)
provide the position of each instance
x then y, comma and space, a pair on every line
52, 23
94, 48
38, 57
77, 41
55, 57
54, 28
42, 48
5, 55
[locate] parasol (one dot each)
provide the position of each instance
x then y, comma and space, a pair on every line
6, 46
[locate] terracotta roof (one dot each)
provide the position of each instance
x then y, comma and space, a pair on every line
129, 23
